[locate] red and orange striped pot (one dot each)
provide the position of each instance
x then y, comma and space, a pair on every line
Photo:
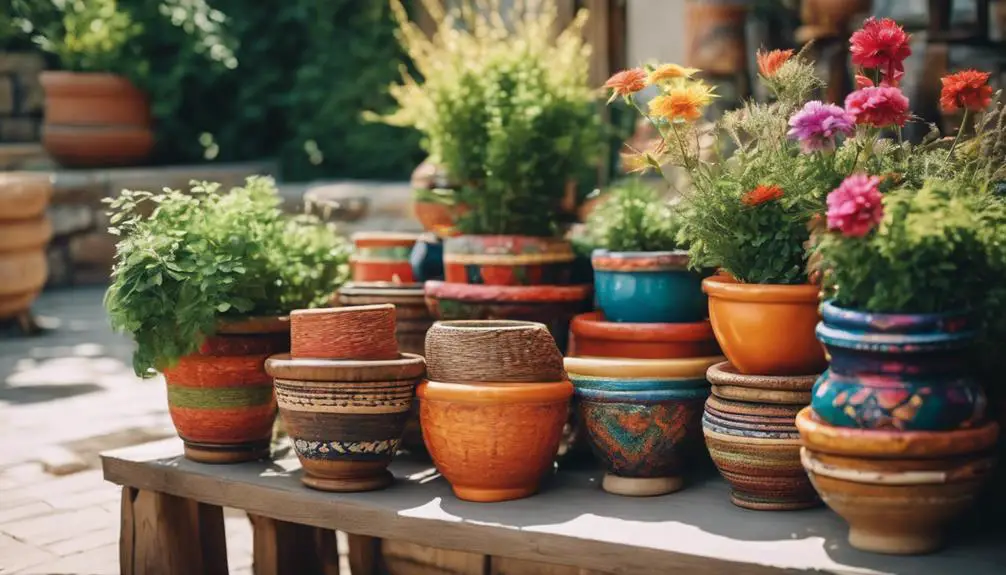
507, 260
382, 257
221, 399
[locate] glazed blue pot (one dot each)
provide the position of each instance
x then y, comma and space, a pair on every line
908, 372
427, 258
648, 287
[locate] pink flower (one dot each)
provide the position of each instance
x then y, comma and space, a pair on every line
881, 44
817, 124
879, 106
856, 206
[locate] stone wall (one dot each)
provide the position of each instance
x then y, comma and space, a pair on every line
21, 98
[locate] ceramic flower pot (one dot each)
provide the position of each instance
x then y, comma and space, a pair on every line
743, 314
715, 39
507, 260
643, 419
24, 234
382, 257
551, 305
493, 441
642, 287
899, 491
95, 120
365, 332
221, 398
345, 417
898, 371
592, 335
427, 258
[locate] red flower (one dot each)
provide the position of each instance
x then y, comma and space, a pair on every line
762, 194
863, 82
881, 44
626, 82
878, 106
770, 62
968, 89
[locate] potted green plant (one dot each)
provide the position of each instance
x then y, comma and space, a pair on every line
202, 284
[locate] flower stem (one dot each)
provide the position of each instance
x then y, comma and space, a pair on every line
950, 152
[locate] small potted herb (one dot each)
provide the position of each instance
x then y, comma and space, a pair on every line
202, 285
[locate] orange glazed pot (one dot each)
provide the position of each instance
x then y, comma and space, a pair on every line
593, 336
766, 329
382, 257
493, 441
221, 399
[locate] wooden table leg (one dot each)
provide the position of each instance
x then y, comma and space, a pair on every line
166, 535
282, 548
364, 555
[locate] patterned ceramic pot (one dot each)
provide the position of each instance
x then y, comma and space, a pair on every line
345, 417
507, 260
643, 419
221, 399
898, 372
382, 257
593, 336
644, 287
899, 491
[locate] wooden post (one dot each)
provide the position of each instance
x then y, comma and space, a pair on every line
364, 555
282, 548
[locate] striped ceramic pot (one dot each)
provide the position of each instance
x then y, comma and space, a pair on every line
345, 417
507, 260
382, 257
221, 399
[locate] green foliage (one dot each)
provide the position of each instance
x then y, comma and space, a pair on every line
204, 255
633, 217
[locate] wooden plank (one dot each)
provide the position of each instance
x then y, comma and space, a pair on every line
404, 558
508, 566
571, 522
282, 548
364, 555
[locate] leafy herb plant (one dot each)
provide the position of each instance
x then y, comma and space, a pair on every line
633, 217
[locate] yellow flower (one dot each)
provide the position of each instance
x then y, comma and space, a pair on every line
667, 72
684, 102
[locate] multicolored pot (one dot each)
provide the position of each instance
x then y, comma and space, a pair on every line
898, 371
743, 314
493, 441
221, 399
643, 287
382, 257
900, 491
507, 260
643, 418
345, 417
592, 335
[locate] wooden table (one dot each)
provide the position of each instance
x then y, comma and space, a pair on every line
172, 523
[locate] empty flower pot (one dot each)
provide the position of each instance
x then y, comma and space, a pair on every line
382, 257
643, 287
594, 336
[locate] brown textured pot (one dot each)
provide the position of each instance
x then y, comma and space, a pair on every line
493, 441
24, 234
715, 36
352, 332
495, 351
593, 336
94, 120
345, 417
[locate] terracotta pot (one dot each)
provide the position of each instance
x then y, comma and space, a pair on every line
742, 315
365, 332
507, 260
646, 430
643, 287
95, 120
24, 234
899, 491
832, 16
382, 257
345, 417
592, 335
493, 441
898, 371
716, 36
495, 350
221, 399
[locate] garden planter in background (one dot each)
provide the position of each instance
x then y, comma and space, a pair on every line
766, 329
507, 260
95, 120
427, 258
382, 257
642, 287
716, 38
24, 234
591, 335
221, 399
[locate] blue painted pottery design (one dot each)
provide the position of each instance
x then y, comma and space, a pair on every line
647, 287
897, 371
346, 450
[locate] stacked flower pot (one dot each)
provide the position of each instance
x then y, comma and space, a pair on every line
493, 407
345, 393
639, 369
896, 439
766, 332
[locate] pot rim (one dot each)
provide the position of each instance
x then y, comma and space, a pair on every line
253, 324
385, 238
724, 373
407, 366
482, 293
381, 288
689, 367
349, 309
593, 325
495, 393
785, 442
728, 288
893, 332
883, 444
966, 470
619, 385
627, 262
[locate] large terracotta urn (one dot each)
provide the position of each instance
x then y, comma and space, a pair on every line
24, 234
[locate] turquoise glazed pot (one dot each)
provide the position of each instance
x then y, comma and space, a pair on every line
643, 287
907, 372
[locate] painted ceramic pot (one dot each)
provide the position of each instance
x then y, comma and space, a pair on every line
24, 235
345, 417
898, 372
742, 315
642, 287
551, 305
507, 260
593, 336
221, 399
382, 257
493, 441
899, 491
645, 423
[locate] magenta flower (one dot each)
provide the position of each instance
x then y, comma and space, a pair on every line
856, 206
817, 124
878, 106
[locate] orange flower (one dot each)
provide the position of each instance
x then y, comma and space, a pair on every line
683, 102
968, 89
668, 72
770, 62
626, 83
762, 194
